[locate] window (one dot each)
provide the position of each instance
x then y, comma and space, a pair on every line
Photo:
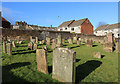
72, 29
118, 34
65, 28
78, 27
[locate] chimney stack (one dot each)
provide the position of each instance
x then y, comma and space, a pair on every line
50, 25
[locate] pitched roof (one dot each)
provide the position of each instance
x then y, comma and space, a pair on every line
66, 24
78, 22
3, 19
106, 27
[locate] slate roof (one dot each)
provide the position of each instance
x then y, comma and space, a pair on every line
78, 22
106, 27
66, 24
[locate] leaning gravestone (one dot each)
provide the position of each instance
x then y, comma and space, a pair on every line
89, 43
97, 55
118, 47
4, 47
59, 41
9, 49
36, 39
64, 65
13, 44
41, 57
35, 47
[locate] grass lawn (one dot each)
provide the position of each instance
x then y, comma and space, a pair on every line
22, 66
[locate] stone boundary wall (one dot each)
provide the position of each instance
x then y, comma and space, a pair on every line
41, 34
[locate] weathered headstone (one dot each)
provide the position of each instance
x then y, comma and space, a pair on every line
97, 55
18, 38
35, 47
59, 41
40, 42
43, 41
74, 39
45, 48
89, 43
4, 47
108, 47
78, 42
13, 44
110, 37
20, 42
36, 39
9, 49
47, 40
30, 38
64, 65
118, 47
53, 45
63, 40
30, 46
70, 41
41, 57
33, 40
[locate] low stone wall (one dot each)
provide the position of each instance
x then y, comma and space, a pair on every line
25, 34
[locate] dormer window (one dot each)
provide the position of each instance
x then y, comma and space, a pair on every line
72, 29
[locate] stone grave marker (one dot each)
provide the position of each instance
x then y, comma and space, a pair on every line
41, 57
78, 42
53, 45
63, 40
70, 41
74, 39
108, 47
4, 47
30, 46
118, 47
47, 40
36, 39
13, 44
97, 55
64, 65
9, 49
33, 40
35, 47
59, 41
89, 43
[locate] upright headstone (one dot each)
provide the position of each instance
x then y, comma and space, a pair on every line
45, 48
97, 55
43, 41
63, 40
30, 38
30, 46
53, 45
110, 37
9, 49
35, 47
4, 47
40, 42
78, 42
41, 57
108, 47
118, 47
33, 40
20, 42
36, 39
64, 65
47, 40
74, 39
89, 43
70, 41
18, 38
59, 41
13, 44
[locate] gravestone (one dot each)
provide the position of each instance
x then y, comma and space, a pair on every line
20, 42
110, 37
89, 43
53, 45
43, 41
45, 48
30, 38
35, 47
63, 40
9, 49
108, 47
118, 47
30, 46
78, 42
40, 42
41, 57
74, 39
47, 40
13, 44
33, 40
4, 47
54, 41
97, 55
70, 41
59, 41
64, 65
36, 39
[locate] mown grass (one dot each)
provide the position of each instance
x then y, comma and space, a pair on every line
22, 66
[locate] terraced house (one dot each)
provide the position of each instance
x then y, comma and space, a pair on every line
103, 30
82, 26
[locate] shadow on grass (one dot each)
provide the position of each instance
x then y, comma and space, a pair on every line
19, 50
95, 45
77, 60
49, 69
85, 69
74, 47
26, 52
102, 56
8, 76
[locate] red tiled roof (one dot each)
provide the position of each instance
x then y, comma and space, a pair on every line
3, 19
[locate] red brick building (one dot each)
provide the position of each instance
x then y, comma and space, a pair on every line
82, 26
5, 23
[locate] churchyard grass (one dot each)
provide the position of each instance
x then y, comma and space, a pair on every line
22, 66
